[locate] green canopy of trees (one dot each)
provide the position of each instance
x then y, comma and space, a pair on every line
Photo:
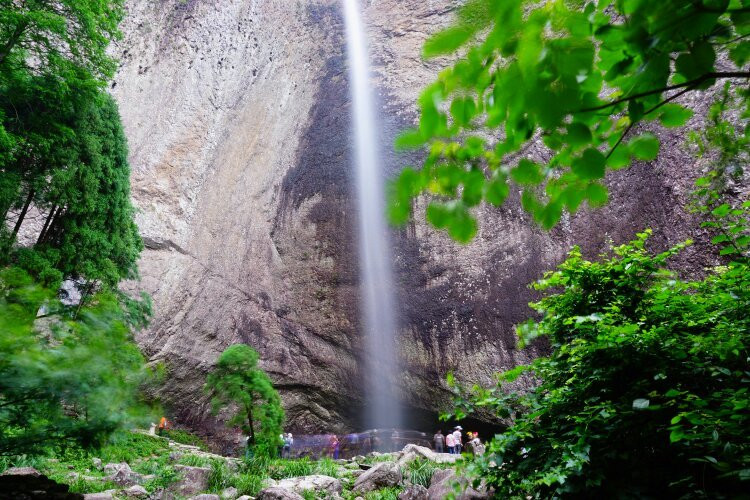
577, 76
62, 147
238, 384
67, 376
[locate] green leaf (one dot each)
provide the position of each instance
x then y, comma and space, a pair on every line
496, 190
409, 139
644, 147
578, 136
674, 115
740, 53
596, 194
620, 157
527, 172
446, 41
721, 211
590, 165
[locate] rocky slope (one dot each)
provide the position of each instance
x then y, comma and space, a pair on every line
237, 113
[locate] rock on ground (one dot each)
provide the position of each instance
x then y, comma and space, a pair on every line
317, 483
229, 494
414, 492
442, 485
276, 493
102, 495
136, 491
194, 480
413, 450
382, 475
205, 496
29, 483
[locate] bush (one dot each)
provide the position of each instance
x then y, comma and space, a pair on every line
67, 377
647, 389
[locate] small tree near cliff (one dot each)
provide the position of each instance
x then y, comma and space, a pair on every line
237, 381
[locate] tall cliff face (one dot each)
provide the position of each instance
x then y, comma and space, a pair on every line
237, 114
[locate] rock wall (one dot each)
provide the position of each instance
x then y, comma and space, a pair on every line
237, 114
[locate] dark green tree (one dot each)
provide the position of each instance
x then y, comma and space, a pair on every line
577, 76
55, 36
239, 384
64, 380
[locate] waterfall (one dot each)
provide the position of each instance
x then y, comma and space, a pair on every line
382, 405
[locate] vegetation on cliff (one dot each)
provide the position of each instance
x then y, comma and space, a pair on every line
70, 374
63, 152
569, 80
238, 384
646, 391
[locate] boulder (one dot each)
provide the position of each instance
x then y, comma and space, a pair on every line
193, 481
414, 492
112, 468
229, 494
382, 475
28, 483
317, 483
205, 496
268, 483
443, 484
245, 497
22, 471
136, 491
276, 493
415, 451
102, 495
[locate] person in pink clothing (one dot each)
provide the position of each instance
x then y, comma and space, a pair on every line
450, 443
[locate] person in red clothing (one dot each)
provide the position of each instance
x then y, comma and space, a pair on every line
163, 424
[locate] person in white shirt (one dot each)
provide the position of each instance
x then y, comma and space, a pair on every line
457, 439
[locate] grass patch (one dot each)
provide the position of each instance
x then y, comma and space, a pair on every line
384, 494
327, 467
195, 461
164, 478
420, 471
220, 477
248, 484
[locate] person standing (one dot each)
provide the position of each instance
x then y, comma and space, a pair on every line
457, 439
450, 443
439, 441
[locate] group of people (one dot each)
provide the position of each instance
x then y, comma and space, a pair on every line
453, 442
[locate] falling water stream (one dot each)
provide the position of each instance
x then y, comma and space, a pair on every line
382, 405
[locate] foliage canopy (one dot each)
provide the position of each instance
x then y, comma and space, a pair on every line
237, 381
64, 380
575, 76
647, 390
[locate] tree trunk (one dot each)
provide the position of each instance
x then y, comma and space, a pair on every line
22, 215
251, 438
52, 226
46, 225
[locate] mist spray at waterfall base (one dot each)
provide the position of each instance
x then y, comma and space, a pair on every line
383, 408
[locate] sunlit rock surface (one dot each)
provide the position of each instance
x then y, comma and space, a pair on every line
237, 115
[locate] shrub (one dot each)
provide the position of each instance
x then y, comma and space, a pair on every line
646, 391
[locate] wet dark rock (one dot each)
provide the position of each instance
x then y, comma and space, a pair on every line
27, 483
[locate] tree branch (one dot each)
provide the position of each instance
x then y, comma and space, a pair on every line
691, 83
